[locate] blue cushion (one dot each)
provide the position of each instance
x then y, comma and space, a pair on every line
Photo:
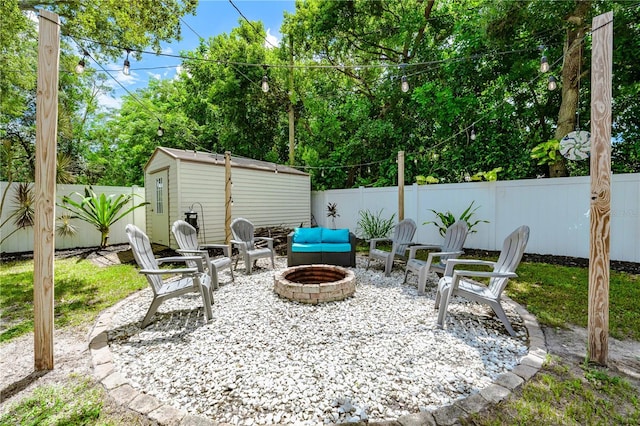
305, 248
307, 235
335, 235
334, 247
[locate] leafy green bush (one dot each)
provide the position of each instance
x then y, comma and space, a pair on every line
372, 225
445, 220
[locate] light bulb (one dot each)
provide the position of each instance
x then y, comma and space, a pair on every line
553, 84
544, 65
404, 86
160, 131
80, 66
265, 84
473, 134
126, 68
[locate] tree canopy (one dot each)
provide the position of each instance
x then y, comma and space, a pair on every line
476, 107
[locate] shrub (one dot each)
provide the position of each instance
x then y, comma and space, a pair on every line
372, 225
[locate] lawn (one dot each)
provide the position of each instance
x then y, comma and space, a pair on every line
82, 290
560, 393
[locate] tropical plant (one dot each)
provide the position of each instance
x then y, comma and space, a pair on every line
546, 152
101, 211
425, 180
24, 210
491, 175
445, 220
332, 212
372, 225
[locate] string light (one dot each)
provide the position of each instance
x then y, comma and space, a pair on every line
404, 84
473, 132
127, 65
81, 62
276, 169
544, 64
553, 83
265, 81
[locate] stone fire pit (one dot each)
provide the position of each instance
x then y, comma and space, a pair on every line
315, 283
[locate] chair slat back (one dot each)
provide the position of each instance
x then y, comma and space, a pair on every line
186, 237
509, 259
403, 235
142, 252
243, 230
454, 238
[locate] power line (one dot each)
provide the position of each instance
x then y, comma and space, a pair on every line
251, 24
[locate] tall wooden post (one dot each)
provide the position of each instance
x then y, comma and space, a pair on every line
400, 185
45, 188
228, 196
292, 130
599, 250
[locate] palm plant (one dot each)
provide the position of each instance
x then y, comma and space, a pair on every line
447, 219
23, 214
101, 211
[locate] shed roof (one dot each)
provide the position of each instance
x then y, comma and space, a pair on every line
218, 159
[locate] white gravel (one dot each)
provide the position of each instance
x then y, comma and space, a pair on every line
265, 360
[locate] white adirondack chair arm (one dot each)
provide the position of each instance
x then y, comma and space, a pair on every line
223, 247
374, 241
483, 274
451, 263
199, 252
414, 248
182, 271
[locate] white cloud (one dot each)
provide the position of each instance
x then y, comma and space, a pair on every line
271, 40
106, 101
153, 75
33, 16
167, 50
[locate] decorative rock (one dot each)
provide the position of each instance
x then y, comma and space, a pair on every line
376, 357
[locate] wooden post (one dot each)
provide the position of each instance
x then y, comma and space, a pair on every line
292, 118
228, 196
400, 185
45, 188
599, 250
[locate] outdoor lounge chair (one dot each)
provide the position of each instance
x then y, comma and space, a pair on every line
245, 241
458, 282
402, 237
451, 248
187, 239
183, 280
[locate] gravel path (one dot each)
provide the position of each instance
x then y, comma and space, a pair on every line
263, 359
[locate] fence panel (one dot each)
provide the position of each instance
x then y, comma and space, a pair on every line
86, 236
556, 210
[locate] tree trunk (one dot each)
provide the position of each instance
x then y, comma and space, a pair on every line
570, 81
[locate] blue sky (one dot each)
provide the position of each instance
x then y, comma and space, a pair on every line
213, 17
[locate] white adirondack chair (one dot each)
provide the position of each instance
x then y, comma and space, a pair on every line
458, 282
402, 237
187, 239
245, 241
184, 280
451, 248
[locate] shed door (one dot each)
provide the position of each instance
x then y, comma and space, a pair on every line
160, 208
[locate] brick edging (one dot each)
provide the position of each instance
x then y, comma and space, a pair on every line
125, 394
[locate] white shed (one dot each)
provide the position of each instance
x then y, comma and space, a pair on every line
177, 181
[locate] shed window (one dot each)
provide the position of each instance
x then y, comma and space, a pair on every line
159, 200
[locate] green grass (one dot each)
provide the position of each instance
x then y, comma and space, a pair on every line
79, 402
81, 291
558, 295
562, 395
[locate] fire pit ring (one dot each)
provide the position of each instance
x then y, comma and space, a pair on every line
315, 284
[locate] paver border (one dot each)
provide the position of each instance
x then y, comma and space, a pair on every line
164, 414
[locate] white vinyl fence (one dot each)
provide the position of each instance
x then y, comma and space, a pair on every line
556, 210
87, 235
